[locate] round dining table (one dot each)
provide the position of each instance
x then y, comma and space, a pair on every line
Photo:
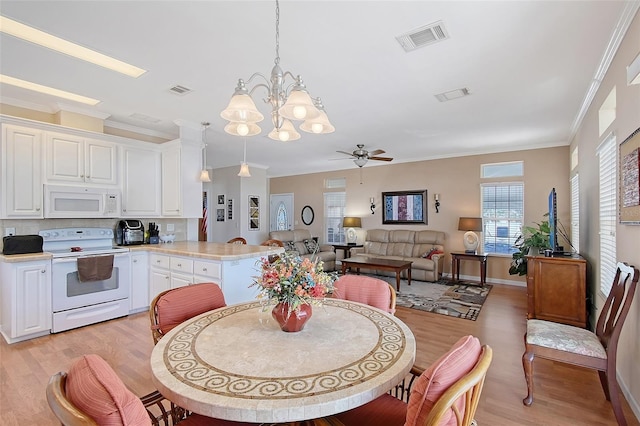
235, 362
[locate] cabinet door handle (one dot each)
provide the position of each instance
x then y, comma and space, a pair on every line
204, 269
135, 260
44, 271
179, 265
37, 209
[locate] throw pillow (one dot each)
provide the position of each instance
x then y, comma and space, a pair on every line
427, 255
311, 245
96, 389
434, 252
290, 247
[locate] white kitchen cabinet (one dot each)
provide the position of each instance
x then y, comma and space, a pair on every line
181, 187
26, 299
171, 182
139, 297
20, 176
76, 159
159, 281
180, 280
141, 182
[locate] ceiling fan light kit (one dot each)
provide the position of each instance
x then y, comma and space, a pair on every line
286, 104
361, 155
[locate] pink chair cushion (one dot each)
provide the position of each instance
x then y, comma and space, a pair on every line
385, 410
368, 290
431, 384
94, 388
180, 304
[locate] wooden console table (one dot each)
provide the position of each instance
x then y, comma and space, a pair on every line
455, 265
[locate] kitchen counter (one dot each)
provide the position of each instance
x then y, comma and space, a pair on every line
211, 251
13, 258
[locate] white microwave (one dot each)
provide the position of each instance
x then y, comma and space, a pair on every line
61, 201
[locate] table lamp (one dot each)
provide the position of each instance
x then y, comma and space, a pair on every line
471, 225
349, 223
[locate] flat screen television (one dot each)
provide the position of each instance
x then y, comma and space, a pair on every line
553, 223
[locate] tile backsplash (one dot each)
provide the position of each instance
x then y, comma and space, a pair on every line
33, 226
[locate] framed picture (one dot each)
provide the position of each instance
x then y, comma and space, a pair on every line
220, 215
254, 213
630, 179
221, 199
403, 207
229, 209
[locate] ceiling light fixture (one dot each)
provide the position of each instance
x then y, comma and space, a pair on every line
5, 79
244, 167
204, 174
27, 33
287, 104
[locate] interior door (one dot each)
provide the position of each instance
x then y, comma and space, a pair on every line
281, 212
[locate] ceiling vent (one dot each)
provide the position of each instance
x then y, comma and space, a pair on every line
423, 36
179, 90
453, 94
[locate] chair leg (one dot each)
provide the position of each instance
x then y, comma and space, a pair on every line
527, 364
615, 398
605, 384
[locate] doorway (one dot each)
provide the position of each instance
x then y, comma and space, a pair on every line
281, 212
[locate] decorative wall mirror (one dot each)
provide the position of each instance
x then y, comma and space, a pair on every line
307, 215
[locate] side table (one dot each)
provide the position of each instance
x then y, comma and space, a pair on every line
345, 248
455, 265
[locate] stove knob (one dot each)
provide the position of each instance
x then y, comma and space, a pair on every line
55, 234
102, 232
46, 235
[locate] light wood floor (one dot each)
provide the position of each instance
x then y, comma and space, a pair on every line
564, 395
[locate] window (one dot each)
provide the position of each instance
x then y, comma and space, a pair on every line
608, 211
497, 170
575, 213
502, 212
334, 203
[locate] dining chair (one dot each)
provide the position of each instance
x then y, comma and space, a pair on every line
584, 348
272, 243
368, 290
237, 240
447, 393
174, 306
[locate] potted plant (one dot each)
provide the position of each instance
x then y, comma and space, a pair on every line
530, 242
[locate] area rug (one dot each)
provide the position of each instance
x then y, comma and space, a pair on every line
455, 299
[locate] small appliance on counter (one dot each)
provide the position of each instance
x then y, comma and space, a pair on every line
153, 233
129, 232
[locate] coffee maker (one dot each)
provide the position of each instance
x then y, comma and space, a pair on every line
129, 232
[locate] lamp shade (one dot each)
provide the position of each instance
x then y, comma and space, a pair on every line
204, 176
244, 170
470, 224
318, 125
241, 108
242, 129
351, 222
286, 133
299, 106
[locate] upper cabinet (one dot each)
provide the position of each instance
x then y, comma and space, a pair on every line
20, 173
141, 182
171, 193
181, 187
73, 159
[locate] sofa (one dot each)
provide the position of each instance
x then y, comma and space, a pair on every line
300, 240
424, 248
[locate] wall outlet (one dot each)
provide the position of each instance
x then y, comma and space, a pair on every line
9, 231
170, 227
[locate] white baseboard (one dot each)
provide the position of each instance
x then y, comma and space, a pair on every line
635, 406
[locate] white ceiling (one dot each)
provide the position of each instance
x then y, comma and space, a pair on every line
527, 64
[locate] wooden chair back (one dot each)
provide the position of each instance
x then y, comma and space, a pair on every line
616, 307
67, 413
368, 290
272, 243
237, 240
467, 390
180, 304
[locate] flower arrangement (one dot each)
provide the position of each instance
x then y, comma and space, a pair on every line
293, 280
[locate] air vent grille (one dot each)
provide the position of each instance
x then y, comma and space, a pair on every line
423, 36
453, 94
179, 90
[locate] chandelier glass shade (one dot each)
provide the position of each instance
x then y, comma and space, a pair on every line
204, 173
288, 102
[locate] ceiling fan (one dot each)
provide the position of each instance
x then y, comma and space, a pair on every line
361, 155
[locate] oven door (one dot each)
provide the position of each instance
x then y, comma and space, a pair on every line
68, 292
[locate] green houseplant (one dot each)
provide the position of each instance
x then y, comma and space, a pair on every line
532, 239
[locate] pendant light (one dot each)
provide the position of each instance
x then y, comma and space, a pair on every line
244, 167
204, 174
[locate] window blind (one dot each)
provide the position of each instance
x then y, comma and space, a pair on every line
608, 211
334, 203
502, 213
575, 213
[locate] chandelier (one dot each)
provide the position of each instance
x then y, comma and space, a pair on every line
288, 103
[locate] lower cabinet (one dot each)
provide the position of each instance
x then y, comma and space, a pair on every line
139, 297
168, 271
25, 299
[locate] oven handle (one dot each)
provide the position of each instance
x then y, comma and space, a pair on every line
74, 259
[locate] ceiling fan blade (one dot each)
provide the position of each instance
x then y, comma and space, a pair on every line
376, 152
381, 158
344, 152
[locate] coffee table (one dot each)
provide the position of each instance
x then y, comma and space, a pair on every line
396, 266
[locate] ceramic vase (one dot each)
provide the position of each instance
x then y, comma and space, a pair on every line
291, 321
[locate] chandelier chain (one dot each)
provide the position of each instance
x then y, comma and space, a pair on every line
277, 60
